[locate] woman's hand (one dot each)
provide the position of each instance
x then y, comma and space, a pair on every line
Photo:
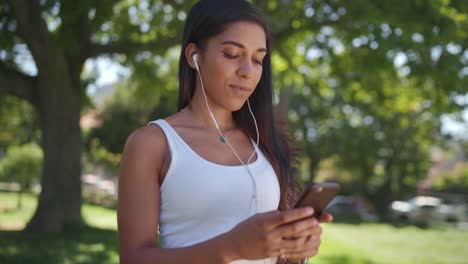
308, 242
262, 235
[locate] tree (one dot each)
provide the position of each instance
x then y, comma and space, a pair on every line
60, 36
370, 78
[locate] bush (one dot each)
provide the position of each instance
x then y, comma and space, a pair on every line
98, 154
22, 165
456, 180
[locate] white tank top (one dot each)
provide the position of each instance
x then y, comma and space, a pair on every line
201, 199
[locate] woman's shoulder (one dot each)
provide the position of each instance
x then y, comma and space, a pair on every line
153, 136
146, 140
152, 133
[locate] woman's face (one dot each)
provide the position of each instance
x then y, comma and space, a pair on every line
231, 64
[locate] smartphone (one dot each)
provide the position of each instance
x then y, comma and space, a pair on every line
318, 196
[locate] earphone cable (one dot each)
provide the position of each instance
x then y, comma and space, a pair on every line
254, 184
229, 144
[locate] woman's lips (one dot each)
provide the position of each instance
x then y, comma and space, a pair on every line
240, 89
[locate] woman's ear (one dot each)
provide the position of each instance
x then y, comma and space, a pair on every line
190, 50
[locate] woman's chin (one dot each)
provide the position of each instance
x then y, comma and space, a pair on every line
236, 106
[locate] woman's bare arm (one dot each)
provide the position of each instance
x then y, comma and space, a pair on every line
139, 207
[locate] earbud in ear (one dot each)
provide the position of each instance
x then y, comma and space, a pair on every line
195, 59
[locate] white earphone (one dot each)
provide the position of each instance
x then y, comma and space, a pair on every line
254, 195
195, 60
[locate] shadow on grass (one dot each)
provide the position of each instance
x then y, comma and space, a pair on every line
393, 222
347, 220
421, 225
87, 245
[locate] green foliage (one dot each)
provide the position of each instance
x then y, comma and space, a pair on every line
367, 85
100, 155
126, 111
457, 180
22, 164
120, 116
371, 81
19, 122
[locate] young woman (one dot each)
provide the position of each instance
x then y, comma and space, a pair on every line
215, 177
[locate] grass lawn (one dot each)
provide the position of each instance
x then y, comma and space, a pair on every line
97, 243
342, 243
383, 243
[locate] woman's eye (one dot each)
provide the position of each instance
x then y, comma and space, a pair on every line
230, 56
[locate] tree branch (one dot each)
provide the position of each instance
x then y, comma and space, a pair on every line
33, 30
16, 83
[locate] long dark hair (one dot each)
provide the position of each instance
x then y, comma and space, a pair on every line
208, 18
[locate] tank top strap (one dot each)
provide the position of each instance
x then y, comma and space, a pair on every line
175, 146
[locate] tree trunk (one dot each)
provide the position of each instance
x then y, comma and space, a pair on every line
384, 195
59, 106
282, 109
313, 166
19, 202
367, 172
401, 187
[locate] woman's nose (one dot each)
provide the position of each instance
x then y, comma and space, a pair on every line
246, 68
